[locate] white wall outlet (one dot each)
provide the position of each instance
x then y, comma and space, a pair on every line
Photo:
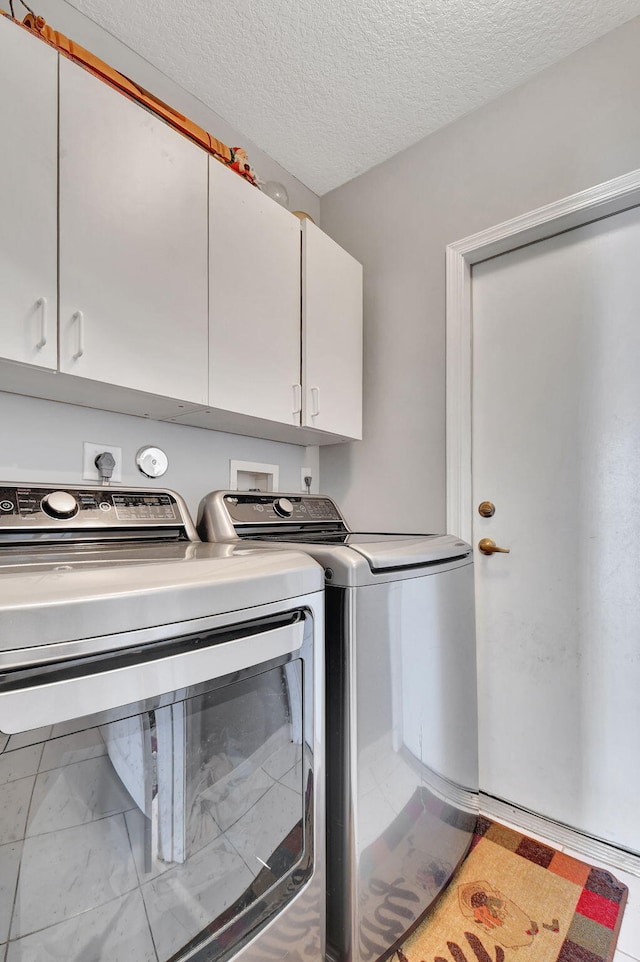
305, 473
90, 451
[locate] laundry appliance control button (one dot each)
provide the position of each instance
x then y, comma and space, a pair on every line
60, 504
283, 507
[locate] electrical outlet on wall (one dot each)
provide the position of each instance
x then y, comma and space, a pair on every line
304, 474
90, 451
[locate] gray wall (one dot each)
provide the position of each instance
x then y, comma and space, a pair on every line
570, 128
42, 441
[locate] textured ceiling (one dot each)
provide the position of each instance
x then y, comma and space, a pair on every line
329, 88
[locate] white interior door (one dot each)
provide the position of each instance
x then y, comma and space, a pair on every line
556, 448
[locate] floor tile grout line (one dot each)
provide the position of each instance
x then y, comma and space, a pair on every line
68, 828
77, 915
22, 840
274, 781
240, 855
139, 886
76, 761
6, 755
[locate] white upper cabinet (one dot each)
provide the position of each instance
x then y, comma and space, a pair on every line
28, 202
133, 244
254, 307
332, 335
153, 278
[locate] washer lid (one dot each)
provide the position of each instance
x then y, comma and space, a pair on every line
385, 552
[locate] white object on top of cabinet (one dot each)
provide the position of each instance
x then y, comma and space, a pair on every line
254, 301
28, 201
331, 335
133, 244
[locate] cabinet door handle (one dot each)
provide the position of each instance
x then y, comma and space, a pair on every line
78, 317
297, 398
42, 304
315, 401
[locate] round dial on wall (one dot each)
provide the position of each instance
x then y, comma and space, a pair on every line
152, 462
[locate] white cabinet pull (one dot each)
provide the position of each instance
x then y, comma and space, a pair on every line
78, 317
315, 401
42, 304
297, 398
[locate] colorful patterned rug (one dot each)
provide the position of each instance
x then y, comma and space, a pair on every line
516, 900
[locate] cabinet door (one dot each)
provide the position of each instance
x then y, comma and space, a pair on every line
133, 244
331, 335
28, 197
254, 301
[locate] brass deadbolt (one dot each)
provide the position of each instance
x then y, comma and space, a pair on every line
486, 509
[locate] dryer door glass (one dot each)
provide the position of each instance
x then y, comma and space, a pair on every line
153, 830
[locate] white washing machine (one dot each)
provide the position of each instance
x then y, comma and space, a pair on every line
402, 742
161, 736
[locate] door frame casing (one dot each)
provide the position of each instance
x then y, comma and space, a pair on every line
573, 211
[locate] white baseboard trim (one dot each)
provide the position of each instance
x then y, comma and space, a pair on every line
559, 834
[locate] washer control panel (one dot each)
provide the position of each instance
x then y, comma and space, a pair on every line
47, 506
257, 508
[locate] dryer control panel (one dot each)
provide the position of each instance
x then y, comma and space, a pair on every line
104, 510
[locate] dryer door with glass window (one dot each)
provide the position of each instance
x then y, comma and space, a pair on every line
170, 827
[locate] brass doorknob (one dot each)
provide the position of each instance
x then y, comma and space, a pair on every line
488, 546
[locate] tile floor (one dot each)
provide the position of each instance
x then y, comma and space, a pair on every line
628, 948
65, 815
79, 861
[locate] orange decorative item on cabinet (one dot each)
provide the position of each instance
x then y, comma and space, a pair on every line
226, 155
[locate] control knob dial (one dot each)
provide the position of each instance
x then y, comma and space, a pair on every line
283, 507
59, 504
